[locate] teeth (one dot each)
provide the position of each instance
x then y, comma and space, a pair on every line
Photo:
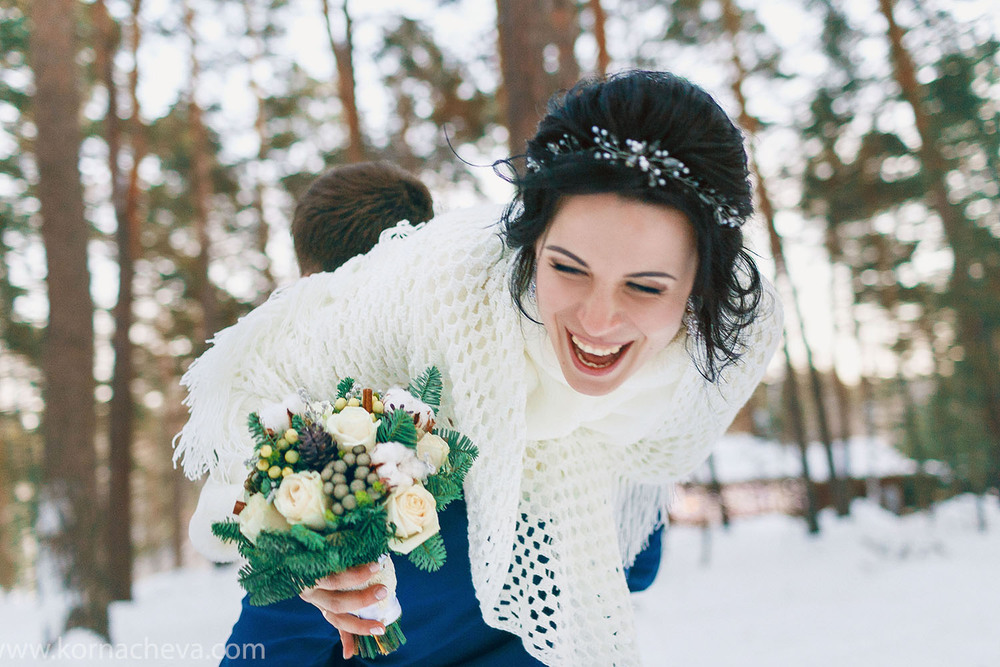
597, 351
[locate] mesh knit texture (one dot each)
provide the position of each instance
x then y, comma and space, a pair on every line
551, 522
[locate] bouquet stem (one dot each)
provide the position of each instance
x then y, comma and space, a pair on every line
372, 646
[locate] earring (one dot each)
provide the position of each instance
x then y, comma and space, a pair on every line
690, 319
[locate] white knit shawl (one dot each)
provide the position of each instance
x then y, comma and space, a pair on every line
544, 514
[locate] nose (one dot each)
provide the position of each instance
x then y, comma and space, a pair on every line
599, 313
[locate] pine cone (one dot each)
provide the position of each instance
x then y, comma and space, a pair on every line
315, 446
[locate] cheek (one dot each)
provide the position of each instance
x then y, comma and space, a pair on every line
660, 325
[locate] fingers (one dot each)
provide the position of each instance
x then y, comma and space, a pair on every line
344, 602
355, 577
347, 642
349, 623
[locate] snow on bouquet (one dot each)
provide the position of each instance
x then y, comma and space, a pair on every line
333, 485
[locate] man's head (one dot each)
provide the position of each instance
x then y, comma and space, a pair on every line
344, 211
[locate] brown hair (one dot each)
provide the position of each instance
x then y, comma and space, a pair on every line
344, 211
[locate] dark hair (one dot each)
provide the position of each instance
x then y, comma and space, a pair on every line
687, 122
344, 211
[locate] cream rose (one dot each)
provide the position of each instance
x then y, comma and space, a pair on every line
258, 515
414, 512
434, 450
300, 499
353, 426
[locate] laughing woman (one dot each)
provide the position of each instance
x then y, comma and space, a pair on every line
599, 335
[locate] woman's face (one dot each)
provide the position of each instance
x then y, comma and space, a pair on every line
612, 282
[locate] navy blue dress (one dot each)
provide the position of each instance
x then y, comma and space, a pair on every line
441, 617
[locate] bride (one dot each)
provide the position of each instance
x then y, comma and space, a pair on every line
596, 337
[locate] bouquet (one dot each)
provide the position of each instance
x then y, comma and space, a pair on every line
336, 484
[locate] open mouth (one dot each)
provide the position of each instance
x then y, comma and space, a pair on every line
597, 357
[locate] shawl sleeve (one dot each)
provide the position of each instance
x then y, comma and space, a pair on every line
702, 411
370, 320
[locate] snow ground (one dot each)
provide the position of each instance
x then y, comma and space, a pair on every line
871, 591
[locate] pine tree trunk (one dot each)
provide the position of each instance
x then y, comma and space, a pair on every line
201, 193
731, 21
522, 64
343, 56
70, 559
793, 411
600, 21
564, 20
119, 533
260, 126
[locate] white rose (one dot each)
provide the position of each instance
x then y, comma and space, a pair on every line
274, 416
300, 499
258, 515
434, 450
353, 426
398, 398
398, 464
414, 512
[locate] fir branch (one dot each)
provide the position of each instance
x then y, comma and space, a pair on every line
257, 431
427, 387
229, 531
344, 387
430, 555
298, 423
462, 453
397, 426
445, 488
308, 538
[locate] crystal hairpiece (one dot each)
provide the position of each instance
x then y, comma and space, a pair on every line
650, 159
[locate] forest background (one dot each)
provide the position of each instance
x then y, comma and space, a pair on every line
151, 152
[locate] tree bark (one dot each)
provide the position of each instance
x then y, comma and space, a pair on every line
260, 126
343, 56
121, 427
793, 410
201, 193
565, 23
600, 21
68, 516
522, 64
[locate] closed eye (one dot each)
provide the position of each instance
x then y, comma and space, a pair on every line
645, 289
565, 268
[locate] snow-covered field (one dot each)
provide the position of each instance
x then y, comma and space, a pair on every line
870, 591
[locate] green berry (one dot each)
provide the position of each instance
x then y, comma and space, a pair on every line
265, 451
358, 450
349, 459
292, 456
340, 491
364, 459
339, 466
358, 485
338, 509
274, 472
361, 472
328, 488
292, 436
349, 502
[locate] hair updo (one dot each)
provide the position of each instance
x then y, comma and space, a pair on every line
684, 120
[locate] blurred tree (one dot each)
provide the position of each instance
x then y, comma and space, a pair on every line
432, 89
751, 53
68, 516
124, 197
939, 195
343, 56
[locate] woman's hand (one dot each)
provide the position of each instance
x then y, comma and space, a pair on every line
338, 595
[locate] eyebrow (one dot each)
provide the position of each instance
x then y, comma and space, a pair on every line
640, 274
